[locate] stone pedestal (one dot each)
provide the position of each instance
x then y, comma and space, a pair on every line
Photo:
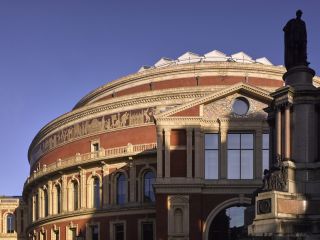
294, 211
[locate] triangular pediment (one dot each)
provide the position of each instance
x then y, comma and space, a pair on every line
220, 103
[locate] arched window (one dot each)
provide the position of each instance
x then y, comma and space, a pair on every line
96, 192
58, 199
46, 205
178, 220
75, 195
148, 181
121, 189
10, 223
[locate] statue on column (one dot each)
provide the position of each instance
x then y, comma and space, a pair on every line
295, 42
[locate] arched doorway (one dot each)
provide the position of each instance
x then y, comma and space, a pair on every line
227, 220
229, 224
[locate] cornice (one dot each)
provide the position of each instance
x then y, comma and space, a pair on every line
195, 69
128, 209
259, 92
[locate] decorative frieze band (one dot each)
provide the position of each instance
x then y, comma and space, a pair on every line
95, 125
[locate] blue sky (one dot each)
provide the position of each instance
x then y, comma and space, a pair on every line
52, 53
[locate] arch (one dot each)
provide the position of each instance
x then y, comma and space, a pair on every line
94, 194
73, 194
114, 178
228, 203
140, 179
4, 221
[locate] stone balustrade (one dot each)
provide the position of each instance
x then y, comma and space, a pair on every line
102, 154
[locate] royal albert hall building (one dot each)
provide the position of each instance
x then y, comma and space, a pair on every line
174, 151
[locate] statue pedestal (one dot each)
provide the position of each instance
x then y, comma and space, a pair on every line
299, 77
283, 215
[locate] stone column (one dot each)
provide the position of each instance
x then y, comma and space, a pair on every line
159, 153
64, 191
258, 153
223, 153
167, 133
132, 177
50, 197
105, 185
278, 132
287, 134
83, 179
197, 157
40, 202
189, 152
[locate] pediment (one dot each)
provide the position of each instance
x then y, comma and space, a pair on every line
219, 104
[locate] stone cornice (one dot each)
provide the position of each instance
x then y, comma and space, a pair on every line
128, 209
196, 69
255, 91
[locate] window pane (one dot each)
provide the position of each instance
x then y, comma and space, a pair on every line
211, 164
149, 180
121, 191
265, 141
233, 141
75, 196
96, 193
119, 232
94, 232
265, 159
246, 141
147, 231
246, 164
211, 141
233, 164
10, 223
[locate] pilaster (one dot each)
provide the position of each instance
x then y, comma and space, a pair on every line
258, 153
50, 197
159, 152
189, 152
64, 193
223, 152
132, 180
83, 188
197, 146
167, 133
105, 185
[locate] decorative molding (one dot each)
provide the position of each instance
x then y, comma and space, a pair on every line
250, 90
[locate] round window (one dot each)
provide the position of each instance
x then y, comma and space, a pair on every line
240, 106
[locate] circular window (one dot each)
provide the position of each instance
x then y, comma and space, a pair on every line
240, 106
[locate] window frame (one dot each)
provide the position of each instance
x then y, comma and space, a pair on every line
140, 228
253, 150
144, 197
112, 229
215, 150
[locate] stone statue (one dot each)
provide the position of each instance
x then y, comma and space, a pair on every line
295, 42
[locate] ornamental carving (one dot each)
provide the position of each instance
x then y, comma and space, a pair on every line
100, 124
276, 178
223, 108
264, 206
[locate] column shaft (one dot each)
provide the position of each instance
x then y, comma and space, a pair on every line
167, 153
159, 153
189, 152
278, 132
287, 144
